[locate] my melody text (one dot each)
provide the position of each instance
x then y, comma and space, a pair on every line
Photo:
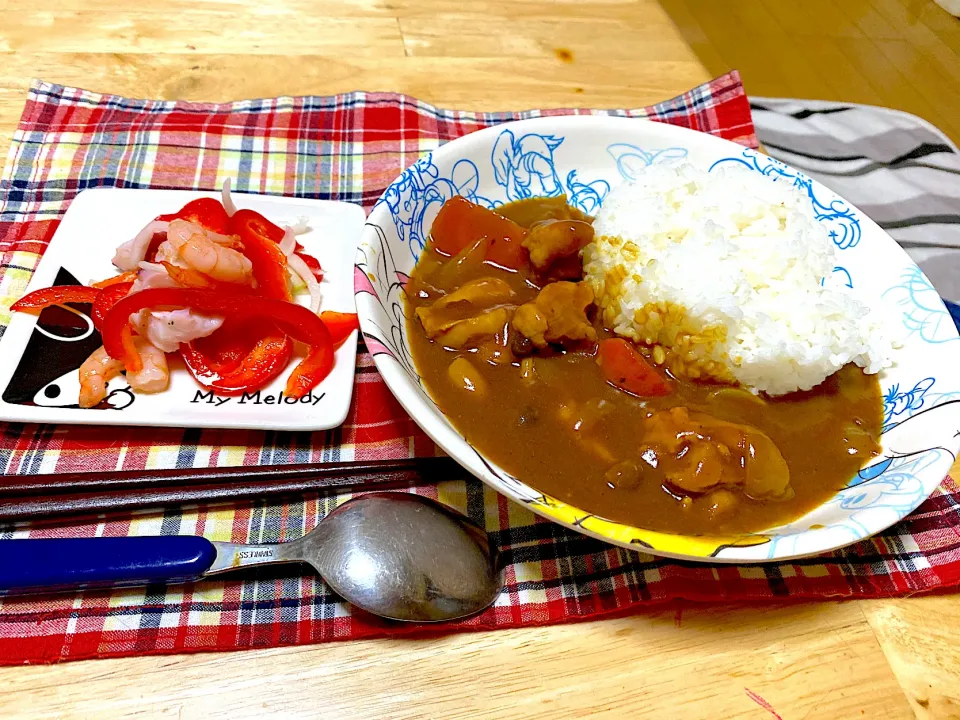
255, 398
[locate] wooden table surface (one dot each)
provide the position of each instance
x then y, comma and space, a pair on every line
862, 659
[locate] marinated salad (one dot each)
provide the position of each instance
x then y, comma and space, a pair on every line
216, 285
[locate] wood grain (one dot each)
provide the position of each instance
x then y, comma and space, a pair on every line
919, 638
806, 661
876, 659
898, 53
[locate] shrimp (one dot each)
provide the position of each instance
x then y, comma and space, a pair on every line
152, 275
167, 329
96, 371
189, 245
155, 376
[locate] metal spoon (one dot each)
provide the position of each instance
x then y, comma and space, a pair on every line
396, 555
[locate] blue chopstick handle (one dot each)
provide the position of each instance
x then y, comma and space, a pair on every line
60, 564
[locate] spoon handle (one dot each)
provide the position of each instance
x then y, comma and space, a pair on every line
53, 564
231, 556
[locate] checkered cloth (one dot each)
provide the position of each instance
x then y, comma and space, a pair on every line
346, 147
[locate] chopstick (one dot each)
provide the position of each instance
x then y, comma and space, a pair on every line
27, 497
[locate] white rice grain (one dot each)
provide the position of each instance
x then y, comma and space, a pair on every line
745, 265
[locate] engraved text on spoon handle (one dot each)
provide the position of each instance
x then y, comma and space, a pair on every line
231, 556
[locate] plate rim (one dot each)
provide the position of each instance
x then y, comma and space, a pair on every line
23, 323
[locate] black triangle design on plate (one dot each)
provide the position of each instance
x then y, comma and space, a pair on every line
59, 344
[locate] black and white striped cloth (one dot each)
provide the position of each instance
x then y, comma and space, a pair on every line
897, 168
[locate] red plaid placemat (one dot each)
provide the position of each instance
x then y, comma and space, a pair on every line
346, 147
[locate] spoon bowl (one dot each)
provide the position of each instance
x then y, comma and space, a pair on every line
404, 557
396, 555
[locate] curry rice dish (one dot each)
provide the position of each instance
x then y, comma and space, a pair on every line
675, 364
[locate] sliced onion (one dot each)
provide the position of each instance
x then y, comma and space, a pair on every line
297, 264
295, 281
289, 242
301, 226
130, 253
227, 199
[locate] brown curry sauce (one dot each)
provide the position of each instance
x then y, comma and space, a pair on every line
563, 429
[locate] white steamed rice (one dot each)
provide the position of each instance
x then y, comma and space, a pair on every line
719, 275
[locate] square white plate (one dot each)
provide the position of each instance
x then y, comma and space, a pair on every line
39, 359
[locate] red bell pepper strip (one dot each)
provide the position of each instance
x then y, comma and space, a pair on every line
295, 320
253, 220
255, 368
207, 212
56, 295
106, 299
340, 325
269, 263
309, 372
310, 261
625, 368
223, 351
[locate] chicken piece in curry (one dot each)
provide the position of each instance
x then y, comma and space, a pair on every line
507, 339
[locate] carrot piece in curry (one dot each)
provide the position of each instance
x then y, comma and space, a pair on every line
627, 369
461, 223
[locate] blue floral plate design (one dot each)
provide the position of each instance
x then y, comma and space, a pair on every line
584, 157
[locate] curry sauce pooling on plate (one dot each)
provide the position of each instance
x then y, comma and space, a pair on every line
506, 336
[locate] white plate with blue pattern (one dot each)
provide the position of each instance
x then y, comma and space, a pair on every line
584, 157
